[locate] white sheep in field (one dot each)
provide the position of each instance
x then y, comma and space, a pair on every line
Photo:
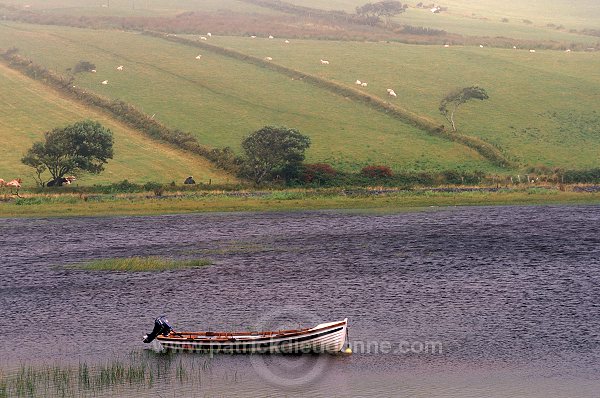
514, 47
209, 34
392, 93
203, 38
269, 59
358, 82
254, 37
271, 37
446, 45
287, 42
93, 70
198, 56
531, 51
324, 62
105, 82
481, 46
364, 84
120, 67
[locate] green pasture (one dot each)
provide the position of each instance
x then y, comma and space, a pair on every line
220, 100
570, 13
484, 18
544, 107
126, 8
28, 108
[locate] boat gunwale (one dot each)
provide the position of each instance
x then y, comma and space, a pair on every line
223, 337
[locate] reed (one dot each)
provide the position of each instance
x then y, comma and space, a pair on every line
128, 375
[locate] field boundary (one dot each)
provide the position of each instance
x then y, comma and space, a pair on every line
485, 149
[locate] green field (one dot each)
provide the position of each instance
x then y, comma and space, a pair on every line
484, 18
220, 100
28, 108
138, 7
543, 106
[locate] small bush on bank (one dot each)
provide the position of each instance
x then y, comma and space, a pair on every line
155, 187
376, 171
318, 173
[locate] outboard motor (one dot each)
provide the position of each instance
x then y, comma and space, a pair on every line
161, 326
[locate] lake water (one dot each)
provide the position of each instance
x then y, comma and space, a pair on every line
452, 302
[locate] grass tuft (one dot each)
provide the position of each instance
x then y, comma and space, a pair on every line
141, 264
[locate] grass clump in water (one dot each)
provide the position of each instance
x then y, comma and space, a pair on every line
139, 264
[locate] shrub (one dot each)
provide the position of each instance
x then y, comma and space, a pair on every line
155, 187
420, 30
124, 187
83, 66
320, 173
376, 171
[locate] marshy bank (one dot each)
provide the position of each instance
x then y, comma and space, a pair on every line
73, 202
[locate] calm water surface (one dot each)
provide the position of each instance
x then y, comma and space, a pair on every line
511, 293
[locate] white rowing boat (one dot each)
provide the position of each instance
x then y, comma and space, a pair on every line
324, 338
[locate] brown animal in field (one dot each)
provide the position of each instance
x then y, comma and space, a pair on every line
2, 182
14, 184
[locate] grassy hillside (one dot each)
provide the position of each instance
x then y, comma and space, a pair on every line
484, 18
543, 106
28, 108
138, 7
220, 99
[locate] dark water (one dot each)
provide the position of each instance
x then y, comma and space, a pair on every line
511, 293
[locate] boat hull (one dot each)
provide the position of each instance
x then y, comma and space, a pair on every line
325, 338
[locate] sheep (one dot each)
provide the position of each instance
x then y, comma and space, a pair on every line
481, 46
269, 59
120, 67
364, 84
358, 83
198, 56
389, 90
105, 82
254, 37
392, 93
514, 47
271, 37
324, 62
531, 51
93, 71
203, 38
287, 42
568, 50
446, 45
209, 34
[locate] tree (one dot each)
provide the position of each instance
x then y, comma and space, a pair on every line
374, 11
274, 150
81, 147
450, 103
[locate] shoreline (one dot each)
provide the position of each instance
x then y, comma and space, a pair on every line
372, 200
